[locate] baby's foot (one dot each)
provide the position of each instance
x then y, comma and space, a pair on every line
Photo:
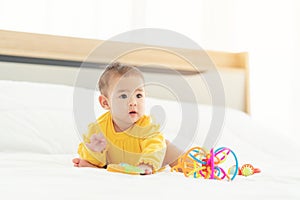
82, 163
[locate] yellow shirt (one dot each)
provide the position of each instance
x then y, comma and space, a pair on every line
142, 143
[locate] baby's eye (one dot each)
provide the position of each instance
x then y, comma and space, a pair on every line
123, 96
139, 95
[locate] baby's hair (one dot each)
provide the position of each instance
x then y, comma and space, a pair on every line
116, 69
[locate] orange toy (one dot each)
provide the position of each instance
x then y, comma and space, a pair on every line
245, 170
198, 163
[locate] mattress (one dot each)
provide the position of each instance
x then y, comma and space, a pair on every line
39, 138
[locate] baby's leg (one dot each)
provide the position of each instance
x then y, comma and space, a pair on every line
172, 154
82, 163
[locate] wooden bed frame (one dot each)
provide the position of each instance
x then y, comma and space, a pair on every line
56, 59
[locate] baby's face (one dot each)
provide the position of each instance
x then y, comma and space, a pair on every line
127, 99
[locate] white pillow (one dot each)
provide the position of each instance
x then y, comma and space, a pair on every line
38, 117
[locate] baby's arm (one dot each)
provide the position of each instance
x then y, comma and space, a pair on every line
93, 148
153, 150
172, 154
78, 162
97, 143
148, 169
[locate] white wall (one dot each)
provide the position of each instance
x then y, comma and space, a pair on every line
269, 30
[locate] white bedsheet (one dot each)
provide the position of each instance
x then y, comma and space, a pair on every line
40, 176
45, 170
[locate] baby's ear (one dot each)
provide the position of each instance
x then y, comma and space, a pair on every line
104, 102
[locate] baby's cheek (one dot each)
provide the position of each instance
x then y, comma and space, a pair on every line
142, 110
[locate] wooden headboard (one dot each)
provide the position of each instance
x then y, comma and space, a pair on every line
56, 59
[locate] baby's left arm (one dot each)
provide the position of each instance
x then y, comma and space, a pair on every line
148, 169
153, 152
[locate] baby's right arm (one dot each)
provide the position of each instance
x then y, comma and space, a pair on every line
94, 146
97, 143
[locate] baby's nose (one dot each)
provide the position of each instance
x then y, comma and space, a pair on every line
132, 102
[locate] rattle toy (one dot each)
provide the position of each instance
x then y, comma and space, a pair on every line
125, 168
245, 170
199, 163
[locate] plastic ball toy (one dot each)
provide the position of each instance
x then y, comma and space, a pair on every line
199, 163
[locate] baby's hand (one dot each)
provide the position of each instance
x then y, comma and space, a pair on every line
97, 143
146, 168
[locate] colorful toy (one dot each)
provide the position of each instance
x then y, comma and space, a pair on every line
198, 163
245, 170
125, 168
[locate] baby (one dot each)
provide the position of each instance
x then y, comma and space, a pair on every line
124, 134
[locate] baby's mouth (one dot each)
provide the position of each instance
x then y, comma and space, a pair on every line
132, 112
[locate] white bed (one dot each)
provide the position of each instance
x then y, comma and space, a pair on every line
38, 141
39, 138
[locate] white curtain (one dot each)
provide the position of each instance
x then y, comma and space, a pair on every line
88, 19
269, 30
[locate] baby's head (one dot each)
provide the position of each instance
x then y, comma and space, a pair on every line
122, 92
113, 72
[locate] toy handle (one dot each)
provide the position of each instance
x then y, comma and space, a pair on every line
257, 170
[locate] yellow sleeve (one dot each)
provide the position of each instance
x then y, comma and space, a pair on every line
153, 151
96, 158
